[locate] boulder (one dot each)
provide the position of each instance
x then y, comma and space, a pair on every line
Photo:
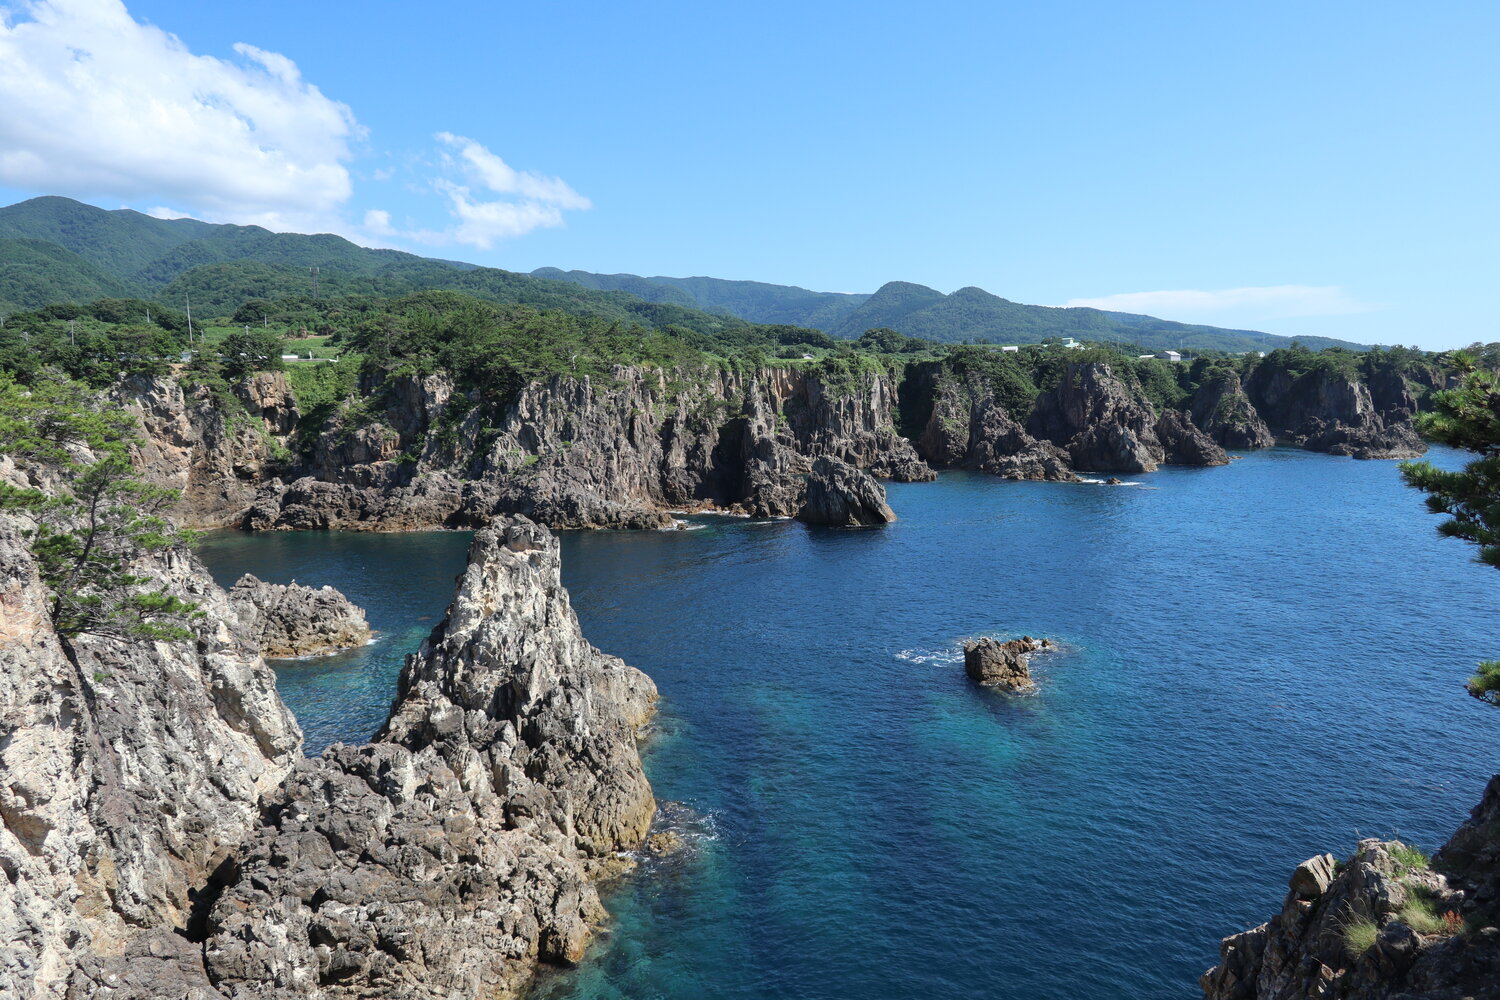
841, 496
294, 620
993, 663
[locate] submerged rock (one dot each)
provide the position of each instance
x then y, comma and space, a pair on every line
841, 496
293, 620
993, 663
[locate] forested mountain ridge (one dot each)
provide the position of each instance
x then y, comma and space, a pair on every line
968, 314
56, 250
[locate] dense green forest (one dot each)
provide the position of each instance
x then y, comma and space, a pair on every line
57, 250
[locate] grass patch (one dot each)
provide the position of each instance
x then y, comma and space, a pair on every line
1360, 935
1420, 913
1409, 858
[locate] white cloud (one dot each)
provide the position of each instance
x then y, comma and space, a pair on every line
536, 202
1233, 305
96, 103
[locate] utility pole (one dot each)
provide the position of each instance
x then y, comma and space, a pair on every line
72, 329
314, 272
189, 300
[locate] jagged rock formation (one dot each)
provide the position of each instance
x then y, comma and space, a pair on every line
129, 775
1382, 927
841, 496
161, 836
1103, 427
619, 451
218, 460
449, 855
293, 620
1221, 408
1005, 665
968, 428
1184, 444
1326, 411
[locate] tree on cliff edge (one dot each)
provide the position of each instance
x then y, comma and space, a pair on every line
92, 520
1467, 416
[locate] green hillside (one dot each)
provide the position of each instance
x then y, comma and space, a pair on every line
35, 273
56, 250
969, 314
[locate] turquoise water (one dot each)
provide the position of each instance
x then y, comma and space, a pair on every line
1261, 662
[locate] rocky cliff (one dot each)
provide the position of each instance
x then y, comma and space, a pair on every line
1386, 925
1325, 410
618, 451
130, 774
1224, 412
456, 850
217, 453
161, 836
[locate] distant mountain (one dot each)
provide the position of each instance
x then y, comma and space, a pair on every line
59, 250
918, 311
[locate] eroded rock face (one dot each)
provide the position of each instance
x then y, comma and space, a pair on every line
217, 461
1184, 444
1005, 665
294, 620
1096, 420
968, 428
1325, 411
449, 855
1379, 928
1221, 408
619, 452
841, 496
129, 774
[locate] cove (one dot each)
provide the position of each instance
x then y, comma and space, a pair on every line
1264, 662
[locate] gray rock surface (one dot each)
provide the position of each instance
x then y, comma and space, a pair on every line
1098, 422
295, 620
1005, 665
1323, 410
129, 774
460, 847
1185, 444
841, 496
968, 428
1221, 408
1430, 933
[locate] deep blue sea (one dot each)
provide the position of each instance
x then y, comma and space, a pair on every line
1261, 662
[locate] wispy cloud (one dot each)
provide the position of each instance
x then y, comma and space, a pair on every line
1233, 305
98, 104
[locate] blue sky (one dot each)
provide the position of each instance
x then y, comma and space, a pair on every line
1320, 168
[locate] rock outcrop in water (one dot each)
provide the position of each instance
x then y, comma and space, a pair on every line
449, 855
841, 496
1005, 665
1384, 926
293, 620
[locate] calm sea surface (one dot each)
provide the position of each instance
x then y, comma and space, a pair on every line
1262, 662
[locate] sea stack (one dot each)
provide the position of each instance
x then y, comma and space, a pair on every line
993, 663
293, 620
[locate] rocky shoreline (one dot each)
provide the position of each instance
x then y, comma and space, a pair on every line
412, 452
162, 835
